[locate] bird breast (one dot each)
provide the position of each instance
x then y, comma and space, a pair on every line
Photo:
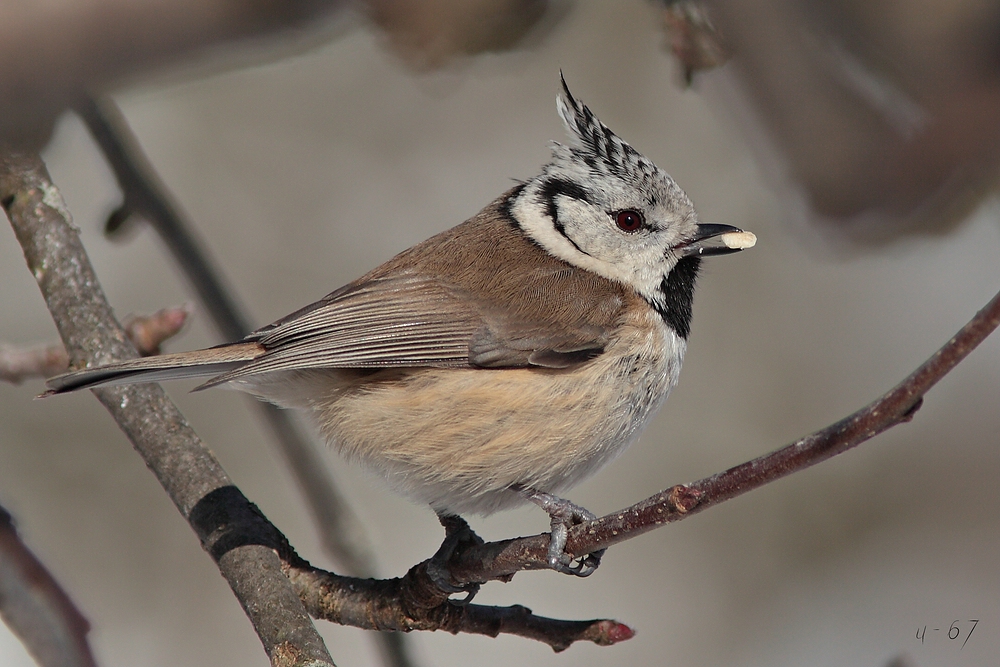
457, 439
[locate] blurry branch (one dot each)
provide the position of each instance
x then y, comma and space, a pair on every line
51, 53
432, 33
145, 197
230, 528
871, 120
145, 332
251, 553
36, 608
692, 37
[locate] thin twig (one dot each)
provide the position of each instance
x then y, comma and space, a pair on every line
500, 560
22, 362
230, 528
146, 332
36, 608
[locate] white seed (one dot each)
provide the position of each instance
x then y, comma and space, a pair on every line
739, 240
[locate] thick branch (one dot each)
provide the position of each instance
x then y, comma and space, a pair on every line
223, 519
414, 602
499, 560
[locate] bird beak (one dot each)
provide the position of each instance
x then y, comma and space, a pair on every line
715, 239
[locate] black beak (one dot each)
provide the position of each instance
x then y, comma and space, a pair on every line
715, 239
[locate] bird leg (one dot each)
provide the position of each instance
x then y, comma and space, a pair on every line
456, 532
563, 515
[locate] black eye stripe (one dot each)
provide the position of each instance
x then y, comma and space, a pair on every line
553, 187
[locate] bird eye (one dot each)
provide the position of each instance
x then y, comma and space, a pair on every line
628, 220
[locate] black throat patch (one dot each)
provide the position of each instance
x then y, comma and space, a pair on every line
678, 295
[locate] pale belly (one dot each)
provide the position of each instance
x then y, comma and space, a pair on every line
457, 439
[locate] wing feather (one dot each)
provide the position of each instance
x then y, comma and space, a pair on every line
403, 320
431, 306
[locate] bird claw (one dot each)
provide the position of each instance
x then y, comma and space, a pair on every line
580, 567
456, 532
563, 514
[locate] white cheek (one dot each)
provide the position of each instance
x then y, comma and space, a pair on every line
637, 259
540, 227
599, 247
591, 230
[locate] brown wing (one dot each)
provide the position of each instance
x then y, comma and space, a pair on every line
405, 320
479, 295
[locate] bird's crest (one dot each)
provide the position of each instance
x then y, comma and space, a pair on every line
594, 144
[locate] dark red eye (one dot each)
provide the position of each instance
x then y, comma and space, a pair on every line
629, 220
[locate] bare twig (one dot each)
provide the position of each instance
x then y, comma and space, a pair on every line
230, 528
146, 332
19, 363
36, 608
500, 560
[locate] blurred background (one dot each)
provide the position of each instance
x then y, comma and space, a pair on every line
305, 164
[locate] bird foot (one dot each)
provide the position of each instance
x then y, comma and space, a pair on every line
456, 533
563, 515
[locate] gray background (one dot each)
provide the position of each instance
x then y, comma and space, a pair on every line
305, 173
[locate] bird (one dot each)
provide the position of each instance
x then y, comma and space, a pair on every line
499, 362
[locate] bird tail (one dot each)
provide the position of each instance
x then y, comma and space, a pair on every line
199, 363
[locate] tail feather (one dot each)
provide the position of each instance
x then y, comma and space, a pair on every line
199, 363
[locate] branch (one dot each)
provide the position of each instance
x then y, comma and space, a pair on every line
415, 602
500, 560
145, 332
19, 363
36, 608
230, 528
